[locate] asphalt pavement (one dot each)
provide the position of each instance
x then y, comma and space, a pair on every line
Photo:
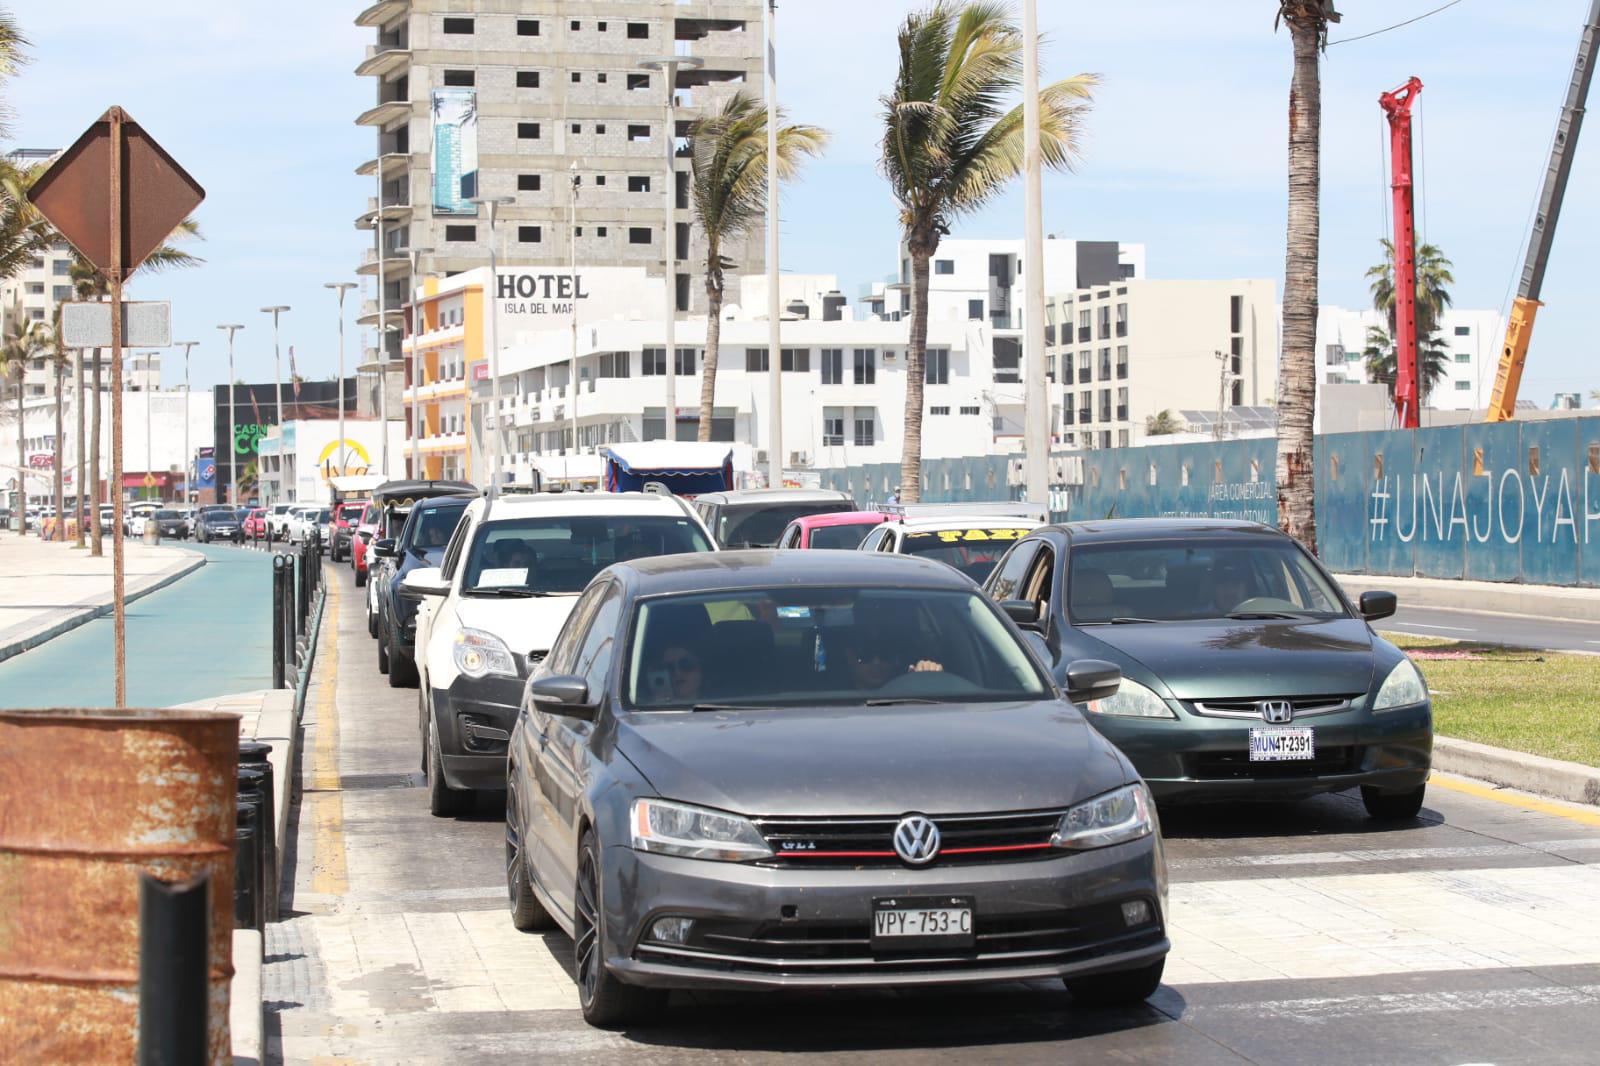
1513, 630
1302, 933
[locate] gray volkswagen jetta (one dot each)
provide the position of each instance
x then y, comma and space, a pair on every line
775, 770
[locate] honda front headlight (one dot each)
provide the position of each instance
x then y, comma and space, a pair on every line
1113, 818
695, 832
1403, 687
1132, 700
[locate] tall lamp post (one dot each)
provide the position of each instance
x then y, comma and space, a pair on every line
277, 364
774, 330
669, 67
342, 287
1036, 405
415, 423
233, 485
188, 457
493, 203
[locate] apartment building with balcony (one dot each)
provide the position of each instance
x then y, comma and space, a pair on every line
1470, 341
546, 102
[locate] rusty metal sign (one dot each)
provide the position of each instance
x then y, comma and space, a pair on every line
75, 194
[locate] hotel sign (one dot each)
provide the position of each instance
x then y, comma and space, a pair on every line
532, 300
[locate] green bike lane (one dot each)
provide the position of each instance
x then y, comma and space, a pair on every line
208, 634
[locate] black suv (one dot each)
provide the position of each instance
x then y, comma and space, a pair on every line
421, 543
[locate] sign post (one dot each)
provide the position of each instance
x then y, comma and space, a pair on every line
115, 196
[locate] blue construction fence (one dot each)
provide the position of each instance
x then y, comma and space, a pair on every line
1511, 501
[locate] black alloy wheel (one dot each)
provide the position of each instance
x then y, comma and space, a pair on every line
443, 801
527, 913
606, 1001
384, 663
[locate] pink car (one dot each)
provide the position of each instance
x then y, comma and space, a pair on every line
366, 528
837, 529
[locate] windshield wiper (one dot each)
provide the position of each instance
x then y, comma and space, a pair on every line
509, 593
728, 707
1119, 621
897, 701
1261, 615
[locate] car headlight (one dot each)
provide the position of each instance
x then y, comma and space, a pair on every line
479, 654
1114, 818
1402, 688
1132, 700
695, 832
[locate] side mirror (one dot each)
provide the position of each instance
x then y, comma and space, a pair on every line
383, 549
423, 582
1376, 605
1023, 612
562, 694
1092, 679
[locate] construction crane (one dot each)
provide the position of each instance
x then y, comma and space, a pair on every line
1503, 403
1397, 106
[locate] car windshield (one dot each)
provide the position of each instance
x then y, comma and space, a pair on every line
558, 556
167, 515
787, 647
759, 525
432, 527
1165, 581
846, 537
974, 552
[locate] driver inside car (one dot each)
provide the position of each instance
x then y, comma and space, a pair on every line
875, 659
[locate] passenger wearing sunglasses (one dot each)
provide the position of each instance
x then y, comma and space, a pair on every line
677, 674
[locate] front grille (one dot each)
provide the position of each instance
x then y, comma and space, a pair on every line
1042, 937
869, 841
1236, 765
1304, 706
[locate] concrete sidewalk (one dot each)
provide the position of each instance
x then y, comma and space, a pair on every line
1554, 602
48, 587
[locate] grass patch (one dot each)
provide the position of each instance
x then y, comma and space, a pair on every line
1540, 702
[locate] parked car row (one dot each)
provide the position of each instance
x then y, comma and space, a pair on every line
934, 756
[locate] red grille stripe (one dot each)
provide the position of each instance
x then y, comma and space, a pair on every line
891, 855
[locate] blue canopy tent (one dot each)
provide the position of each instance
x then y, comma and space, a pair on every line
686, 468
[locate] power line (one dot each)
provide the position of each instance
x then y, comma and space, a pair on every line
1396, 26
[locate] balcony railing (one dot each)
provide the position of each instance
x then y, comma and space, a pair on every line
1122, 329
1085, 334
1083, 374
1083, 414
1122, 371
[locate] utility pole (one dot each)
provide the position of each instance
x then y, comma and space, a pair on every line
1222, 391
774, 302
414, 423
572, 275
494, 203
188, 456
342, 287
277, 364
1036, 404
233, 484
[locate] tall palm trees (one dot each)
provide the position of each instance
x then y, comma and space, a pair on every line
728, 191
1433, 361
1433, 296
22, 343
1297, 370
949, 147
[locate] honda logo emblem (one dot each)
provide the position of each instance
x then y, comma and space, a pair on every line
1277, 711
916, 839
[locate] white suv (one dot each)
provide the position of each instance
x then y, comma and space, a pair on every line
493, 607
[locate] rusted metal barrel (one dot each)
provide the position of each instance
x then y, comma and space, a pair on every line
89, 799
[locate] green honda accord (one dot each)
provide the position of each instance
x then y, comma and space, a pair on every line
1247, 673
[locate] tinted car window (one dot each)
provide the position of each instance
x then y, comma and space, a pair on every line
1008, 581
551, 556
431, 527
1171, 581
836, 537
781, 647
974, 552
759, 525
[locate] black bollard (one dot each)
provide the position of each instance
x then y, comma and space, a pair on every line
253, 756
174, 970
246, 901
278, 607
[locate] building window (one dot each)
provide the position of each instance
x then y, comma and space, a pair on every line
1105, 322
638, 132
655, 363
936, 366
638, 183
1122, 361
1122, 405
1463, 386
832, 426
528, 182
1085, 331
638, 234
61, 268
577, 127
685, 360
1105, 406
527, 27
577, 77
638, 81
576, 26
35, 288
460, 77
1236, 314
1085, 360
601, 26
527, 131
1461, 357
975, 309
944, 266
600, 130
461, 233
866, 366
600, 231
865, 425
1122, 438
638, 31
1067, 409
63, 293
969, 410
938, 410
614, 364
577, 231
756, 361
457, 25
1463, 331
1105, 364
601, 77
797, 360
1122, 320
527, 79
833, 366
529, 234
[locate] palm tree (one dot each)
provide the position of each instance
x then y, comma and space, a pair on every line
12, 57
1432, 358
22, 343
1433, 277
728, 188
949, 148
1297, 368
1163, 424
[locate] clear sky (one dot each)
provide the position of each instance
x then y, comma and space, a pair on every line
1185, 147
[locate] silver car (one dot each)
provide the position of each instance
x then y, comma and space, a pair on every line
815, 770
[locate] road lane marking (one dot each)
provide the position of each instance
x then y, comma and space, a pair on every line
1326, 1008
329, 874
1570, 811
1450, 629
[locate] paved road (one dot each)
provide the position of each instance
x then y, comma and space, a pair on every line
1520, 631
207, 635
1302, 933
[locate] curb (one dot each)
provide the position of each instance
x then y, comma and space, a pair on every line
84, 615
246, 1008
1570, 781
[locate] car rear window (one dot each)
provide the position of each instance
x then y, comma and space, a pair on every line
840, 537
552, 556
759, 525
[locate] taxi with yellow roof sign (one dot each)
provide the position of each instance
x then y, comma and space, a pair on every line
971, 537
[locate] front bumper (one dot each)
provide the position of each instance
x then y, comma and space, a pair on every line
475, 717
764, 928
1199, 758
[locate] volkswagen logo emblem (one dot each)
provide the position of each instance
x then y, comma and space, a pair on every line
1277, 711
916, 839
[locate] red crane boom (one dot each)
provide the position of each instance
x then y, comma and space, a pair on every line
1397, 106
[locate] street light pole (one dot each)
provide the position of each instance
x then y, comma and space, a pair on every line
342, 287
572, 276
1036, 402
414, 423
774, 303
277, 364
668, 66
187, 346
149, 471
233, 485
494, 203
